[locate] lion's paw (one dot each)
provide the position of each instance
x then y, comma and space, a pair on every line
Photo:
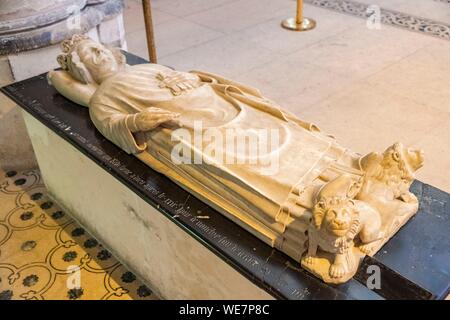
337, 270
366, 248
309, 260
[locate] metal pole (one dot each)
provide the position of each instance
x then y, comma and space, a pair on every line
149, 30
299, 17
299, 23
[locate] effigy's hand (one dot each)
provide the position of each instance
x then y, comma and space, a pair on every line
152, 118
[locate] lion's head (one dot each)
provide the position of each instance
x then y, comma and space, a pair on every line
406, 160
395, 164
335, 213
336, 216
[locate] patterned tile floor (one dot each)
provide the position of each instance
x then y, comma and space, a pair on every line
44, 254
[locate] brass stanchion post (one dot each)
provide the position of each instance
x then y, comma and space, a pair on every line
149, 30
299, 23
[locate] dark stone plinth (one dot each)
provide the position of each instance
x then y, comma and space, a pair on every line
25, 28
414, 264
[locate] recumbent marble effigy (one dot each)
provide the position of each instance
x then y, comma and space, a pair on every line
301, 192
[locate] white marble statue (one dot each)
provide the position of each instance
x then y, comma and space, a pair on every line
321, 203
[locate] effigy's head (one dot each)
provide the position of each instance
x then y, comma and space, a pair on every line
335, 211
88, 61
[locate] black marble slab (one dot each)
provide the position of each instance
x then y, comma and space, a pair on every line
414, 264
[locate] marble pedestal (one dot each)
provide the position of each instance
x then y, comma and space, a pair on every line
170, 261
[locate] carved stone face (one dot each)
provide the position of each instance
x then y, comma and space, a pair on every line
337, 219
99, 60
334, 216
414, 158
407, 158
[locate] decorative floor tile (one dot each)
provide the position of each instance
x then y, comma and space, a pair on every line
46, 255
390, 17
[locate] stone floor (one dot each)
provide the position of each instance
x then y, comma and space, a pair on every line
368, 87
45, 254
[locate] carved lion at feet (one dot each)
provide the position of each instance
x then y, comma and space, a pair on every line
339, 221
387, 180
